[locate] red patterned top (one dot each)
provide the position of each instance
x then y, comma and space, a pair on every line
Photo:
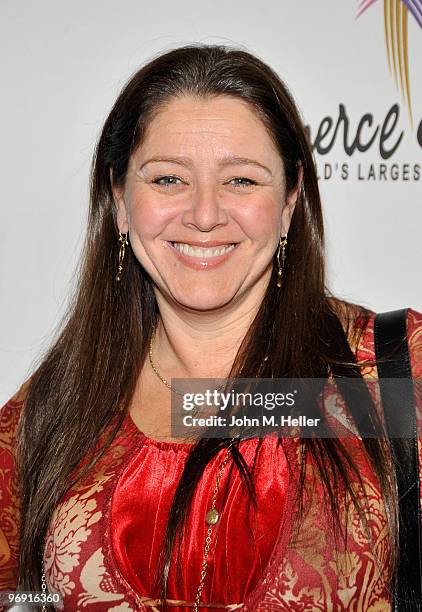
105, 536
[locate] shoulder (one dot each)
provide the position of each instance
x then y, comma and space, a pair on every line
358, 324
9, 419
365, 349
355, 319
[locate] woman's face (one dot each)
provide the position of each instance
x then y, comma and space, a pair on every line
205, 203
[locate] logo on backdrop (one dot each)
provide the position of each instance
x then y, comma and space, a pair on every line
396, 40
381, 135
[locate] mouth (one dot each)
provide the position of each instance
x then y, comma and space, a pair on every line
204, 252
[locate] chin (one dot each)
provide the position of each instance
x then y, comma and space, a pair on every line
203, 300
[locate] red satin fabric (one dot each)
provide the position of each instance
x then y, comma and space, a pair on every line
243, 541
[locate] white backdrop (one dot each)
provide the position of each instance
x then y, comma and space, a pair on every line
62, 67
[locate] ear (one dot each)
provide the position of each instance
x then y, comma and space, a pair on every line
291, 199
120, 204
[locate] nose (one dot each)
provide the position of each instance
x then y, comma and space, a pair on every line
206, 210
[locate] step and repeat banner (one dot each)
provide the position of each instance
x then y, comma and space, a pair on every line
354, 68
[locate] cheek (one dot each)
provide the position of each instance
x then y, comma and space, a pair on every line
148, 216
261, 219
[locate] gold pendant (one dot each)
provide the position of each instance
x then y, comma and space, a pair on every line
212, 517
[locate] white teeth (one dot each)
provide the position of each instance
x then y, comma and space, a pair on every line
194, 251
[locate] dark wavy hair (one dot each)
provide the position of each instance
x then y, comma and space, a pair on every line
79, 394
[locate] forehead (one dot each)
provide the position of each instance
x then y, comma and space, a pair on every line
219, 122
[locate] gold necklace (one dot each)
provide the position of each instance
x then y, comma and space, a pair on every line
211, 518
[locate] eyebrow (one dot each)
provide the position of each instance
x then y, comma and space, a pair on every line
230, 160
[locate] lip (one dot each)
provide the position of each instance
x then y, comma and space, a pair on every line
198, 263
205, 243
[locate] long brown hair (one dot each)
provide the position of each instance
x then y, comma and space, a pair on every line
82, 388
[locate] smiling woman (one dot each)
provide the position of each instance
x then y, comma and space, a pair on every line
204, 258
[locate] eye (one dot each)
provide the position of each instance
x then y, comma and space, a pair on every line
241, 181
167, 181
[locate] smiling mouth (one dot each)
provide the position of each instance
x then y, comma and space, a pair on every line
203, 252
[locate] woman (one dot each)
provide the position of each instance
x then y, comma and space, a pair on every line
204, 258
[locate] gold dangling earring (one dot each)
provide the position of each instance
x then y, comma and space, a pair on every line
282, 247
122, 249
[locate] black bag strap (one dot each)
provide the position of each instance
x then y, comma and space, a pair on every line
390, 335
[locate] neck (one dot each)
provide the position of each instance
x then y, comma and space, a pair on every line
191, 344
